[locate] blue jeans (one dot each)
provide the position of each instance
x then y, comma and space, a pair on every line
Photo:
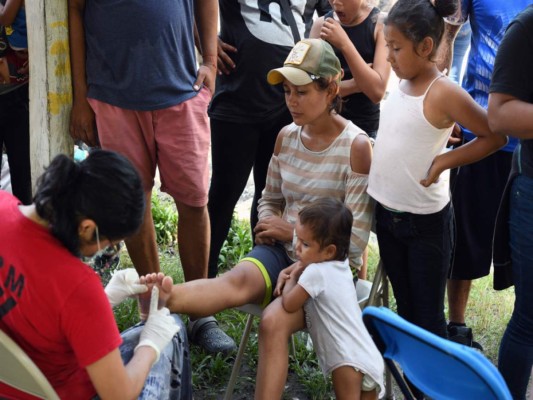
461, 47
416, 252
516, 349
170, 377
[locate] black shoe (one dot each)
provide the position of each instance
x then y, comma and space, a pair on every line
205, 332
463, 335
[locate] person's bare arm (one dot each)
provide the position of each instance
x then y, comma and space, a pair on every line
283, 277
460, 107
294, 296
316, 28
444, 56
509, 115
82, 120
9, 11
206, 18
371, 78
113, 380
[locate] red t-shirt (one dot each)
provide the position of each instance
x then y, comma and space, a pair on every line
51, 304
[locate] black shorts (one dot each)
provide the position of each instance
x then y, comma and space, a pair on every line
270, 260
476, 193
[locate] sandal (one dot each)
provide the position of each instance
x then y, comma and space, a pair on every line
205, 332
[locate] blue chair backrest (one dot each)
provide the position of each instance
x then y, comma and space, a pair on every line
440, 368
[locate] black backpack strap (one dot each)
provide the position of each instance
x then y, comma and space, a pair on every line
287, 13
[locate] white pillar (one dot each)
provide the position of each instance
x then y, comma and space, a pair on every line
50, 87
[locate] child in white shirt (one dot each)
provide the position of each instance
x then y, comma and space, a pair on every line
321, 282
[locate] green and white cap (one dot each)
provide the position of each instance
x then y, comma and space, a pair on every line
309, 60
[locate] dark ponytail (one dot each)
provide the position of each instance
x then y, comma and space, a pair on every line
418, 19
104, 187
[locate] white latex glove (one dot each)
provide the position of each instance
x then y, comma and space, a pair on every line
160, 327
124, 283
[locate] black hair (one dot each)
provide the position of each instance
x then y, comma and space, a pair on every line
418, 19
323, 84
330, 222
105, 187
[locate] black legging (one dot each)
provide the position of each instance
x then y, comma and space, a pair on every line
236, 148
15, 134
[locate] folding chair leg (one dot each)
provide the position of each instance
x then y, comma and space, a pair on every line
391, 367
376, 296
379, 295
238, 359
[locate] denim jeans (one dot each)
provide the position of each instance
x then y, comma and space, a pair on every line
516, 349
170, 377
416, 252
461, 48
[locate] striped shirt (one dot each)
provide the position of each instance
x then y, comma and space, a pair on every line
298, 176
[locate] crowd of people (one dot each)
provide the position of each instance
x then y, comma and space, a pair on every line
300, 101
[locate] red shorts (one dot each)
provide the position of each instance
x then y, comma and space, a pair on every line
176, 140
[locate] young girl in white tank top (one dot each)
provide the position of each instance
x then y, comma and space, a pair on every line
409, 172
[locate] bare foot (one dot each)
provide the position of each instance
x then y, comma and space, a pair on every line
164, 284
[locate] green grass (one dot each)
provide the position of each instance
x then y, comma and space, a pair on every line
488, 314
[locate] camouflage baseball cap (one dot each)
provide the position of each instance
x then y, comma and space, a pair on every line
308, 60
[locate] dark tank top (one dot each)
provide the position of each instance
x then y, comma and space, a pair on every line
357, 107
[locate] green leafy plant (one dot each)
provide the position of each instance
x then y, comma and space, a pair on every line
237, 244
305, 380
165, 219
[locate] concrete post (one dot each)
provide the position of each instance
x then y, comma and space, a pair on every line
50, 87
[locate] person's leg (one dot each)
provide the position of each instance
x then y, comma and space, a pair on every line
16, 127
131, 133
369, 395
390, 228
361, 274
233, 151
193, 240
182, 137
476, 192
275, 330
264, 153
458, 293
516, 349
347, 383
183, 141
142, 246
252, 145
429, 260
241, 285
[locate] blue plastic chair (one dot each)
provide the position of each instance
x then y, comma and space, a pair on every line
438, 367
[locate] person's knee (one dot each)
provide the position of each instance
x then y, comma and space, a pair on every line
192, 213
269, 325
272, 324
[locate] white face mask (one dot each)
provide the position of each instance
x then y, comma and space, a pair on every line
108, 251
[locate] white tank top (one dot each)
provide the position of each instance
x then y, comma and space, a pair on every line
405, 147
